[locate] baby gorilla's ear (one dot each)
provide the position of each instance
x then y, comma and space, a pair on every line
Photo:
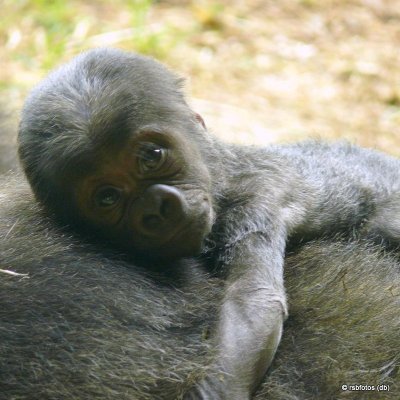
200, 120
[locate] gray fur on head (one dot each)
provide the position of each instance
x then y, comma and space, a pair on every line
96, 100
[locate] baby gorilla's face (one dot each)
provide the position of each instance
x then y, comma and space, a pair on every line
151, 196
109, 144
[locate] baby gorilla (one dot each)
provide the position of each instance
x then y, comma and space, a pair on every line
111, 147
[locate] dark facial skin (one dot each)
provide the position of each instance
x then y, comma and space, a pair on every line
147, 197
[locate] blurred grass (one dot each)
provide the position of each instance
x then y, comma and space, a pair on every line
38, 34
259, 70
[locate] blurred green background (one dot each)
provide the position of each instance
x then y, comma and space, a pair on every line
257, 70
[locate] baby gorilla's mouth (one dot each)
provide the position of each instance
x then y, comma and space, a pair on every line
176, 231
184, 241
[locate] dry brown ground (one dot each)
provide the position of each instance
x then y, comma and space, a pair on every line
258, 70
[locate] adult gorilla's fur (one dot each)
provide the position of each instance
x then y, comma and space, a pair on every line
85, 325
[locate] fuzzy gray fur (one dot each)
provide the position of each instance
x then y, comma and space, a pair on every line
85, 325
264, 201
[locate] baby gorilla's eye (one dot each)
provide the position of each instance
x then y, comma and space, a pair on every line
107, 196
151, 157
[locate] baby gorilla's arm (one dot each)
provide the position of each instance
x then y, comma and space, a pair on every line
251, 318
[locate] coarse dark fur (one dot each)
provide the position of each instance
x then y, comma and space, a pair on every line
79, 324
247, 204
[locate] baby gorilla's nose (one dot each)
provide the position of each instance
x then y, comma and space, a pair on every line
161, 212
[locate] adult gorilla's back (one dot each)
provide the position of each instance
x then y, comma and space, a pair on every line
85, 325
82, 325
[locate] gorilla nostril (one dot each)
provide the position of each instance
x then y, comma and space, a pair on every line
167, 208
151, 222
160, 211
164, 209
167, 213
